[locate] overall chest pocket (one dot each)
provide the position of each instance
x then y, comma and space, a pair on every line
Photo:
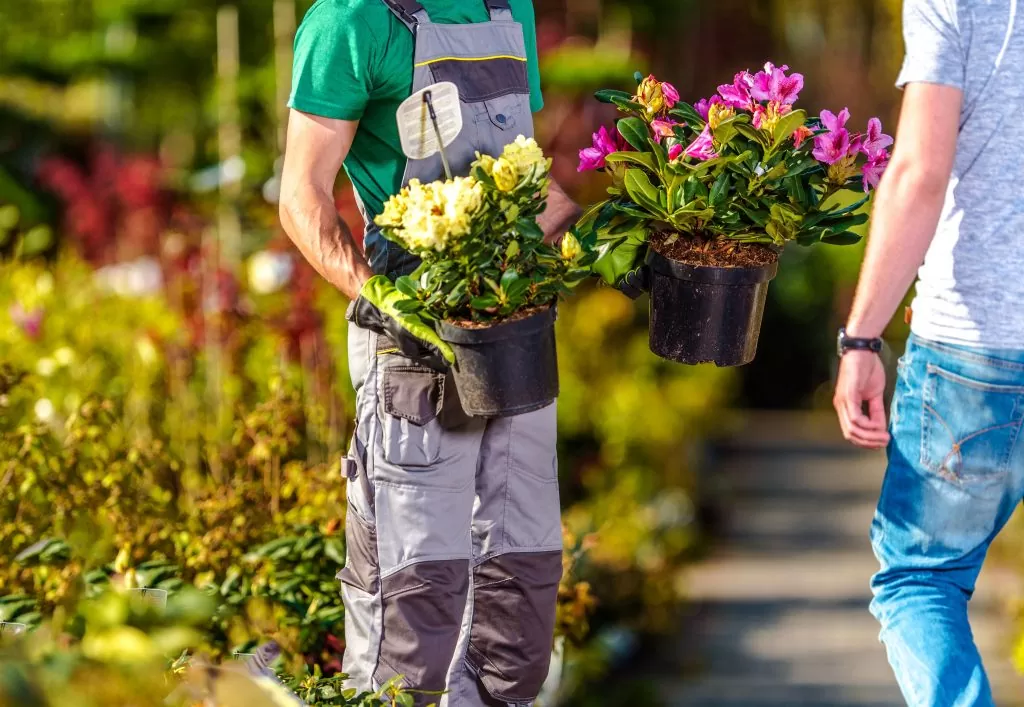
499, 87
969, 427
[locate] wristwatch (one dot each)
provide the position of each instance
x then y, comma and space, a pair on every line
851, 343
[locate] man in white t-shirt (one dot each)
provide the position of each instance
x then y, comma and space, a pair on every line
952, 199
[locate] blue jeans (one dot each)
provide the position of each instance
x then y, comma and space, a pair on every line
955, 475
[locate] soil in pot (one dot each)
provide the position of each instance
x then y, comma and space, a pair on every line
508, 368
707, 299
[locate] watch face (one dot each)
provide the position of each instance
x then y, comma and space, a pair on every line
839, 342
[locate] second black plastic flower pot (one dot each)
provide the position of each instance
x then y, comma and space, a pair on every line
506, 369
702, 314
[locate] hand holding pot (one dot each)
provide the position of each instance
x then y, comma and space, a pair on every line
378, 309
621, 265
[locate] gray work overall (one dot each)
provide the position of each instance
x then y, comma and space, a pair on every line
453, 530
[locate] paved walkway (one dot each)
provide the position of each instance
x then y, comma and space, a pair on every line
780, 605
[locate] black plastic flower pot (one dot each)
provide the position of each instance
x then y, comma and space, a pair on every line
506, 369
703, 314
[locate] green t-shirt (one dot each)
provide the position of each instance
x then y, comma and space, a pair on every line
354, 61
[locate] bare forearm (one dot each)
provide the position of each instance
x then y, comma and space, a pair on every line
559, 216
313, 224
906, 214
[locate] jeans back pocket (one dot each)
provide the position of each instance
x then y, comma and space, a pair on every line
969, 427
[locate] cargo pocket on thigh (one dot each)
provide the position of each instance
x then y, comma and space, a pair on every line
411, 398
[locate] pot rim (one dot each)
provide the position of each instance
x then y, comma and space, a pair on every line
499, 332
708, 274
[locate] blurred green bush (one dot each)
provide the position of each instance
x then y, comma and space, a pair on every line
119, 471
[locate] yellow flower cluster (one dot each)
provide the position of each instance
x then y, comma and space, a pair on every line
519, 160
432, 216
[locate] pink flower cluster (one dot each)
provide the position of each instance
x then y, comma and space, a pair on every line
837, 144
605, 143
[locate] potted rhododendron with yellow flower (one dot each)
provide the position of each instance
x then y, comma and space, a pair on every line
705, 197
487, 278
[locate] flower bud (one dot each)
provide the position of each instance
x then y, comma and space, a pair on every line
504, 174
571, 247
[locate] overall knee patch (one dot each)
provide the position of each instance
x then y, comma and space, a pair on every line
515, 597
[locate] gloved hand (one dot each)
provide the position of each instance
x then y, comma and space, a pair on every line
377, 310
620, 263
634, 283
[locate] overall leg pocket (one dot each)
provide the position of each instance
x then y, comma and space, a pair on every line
969, 427
411, 399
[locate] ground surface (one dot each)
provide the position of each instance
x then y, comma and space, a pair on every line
780, 605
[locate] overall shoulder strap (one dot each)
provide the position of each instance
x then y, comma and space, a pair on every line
500, 10
409, 12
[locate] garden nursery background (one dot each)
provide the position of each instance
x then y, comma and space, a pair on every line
174, 396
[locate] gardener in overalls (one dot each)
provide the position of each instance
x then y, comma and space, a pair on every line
453, 529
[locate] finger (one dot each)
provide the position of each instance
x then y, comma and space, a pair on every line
870, 439
876, 410
858, 434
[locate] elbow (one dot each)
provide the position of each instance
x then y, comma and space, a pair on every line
917, 179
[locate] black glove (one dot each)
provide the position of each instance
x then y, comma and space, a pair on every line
635, 282
376, 310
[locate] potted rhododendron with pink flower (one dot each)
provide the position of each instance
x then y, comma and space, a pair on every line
704, 197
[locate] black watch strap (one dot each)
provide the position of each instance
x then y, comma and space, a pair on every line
853, 343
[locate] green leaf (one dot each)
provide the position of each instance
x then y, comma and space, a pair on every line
528, 227
638, 77
689, 115
728, 129
752, 133
517, 289
639, 187
484, 302
512, 250
720, 189
642, 159
627, 225
630, 210
758, 216
788, 125
660, 156
635, 132
606, 95
694, 188
407, 286
844, 238
627, 106
508, 278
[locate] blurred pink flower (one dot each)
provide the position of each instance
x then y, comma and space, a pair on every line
772, 84
703, 148
29, 322
738, 93
675, 151
592, 158
874, 169
875, 140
